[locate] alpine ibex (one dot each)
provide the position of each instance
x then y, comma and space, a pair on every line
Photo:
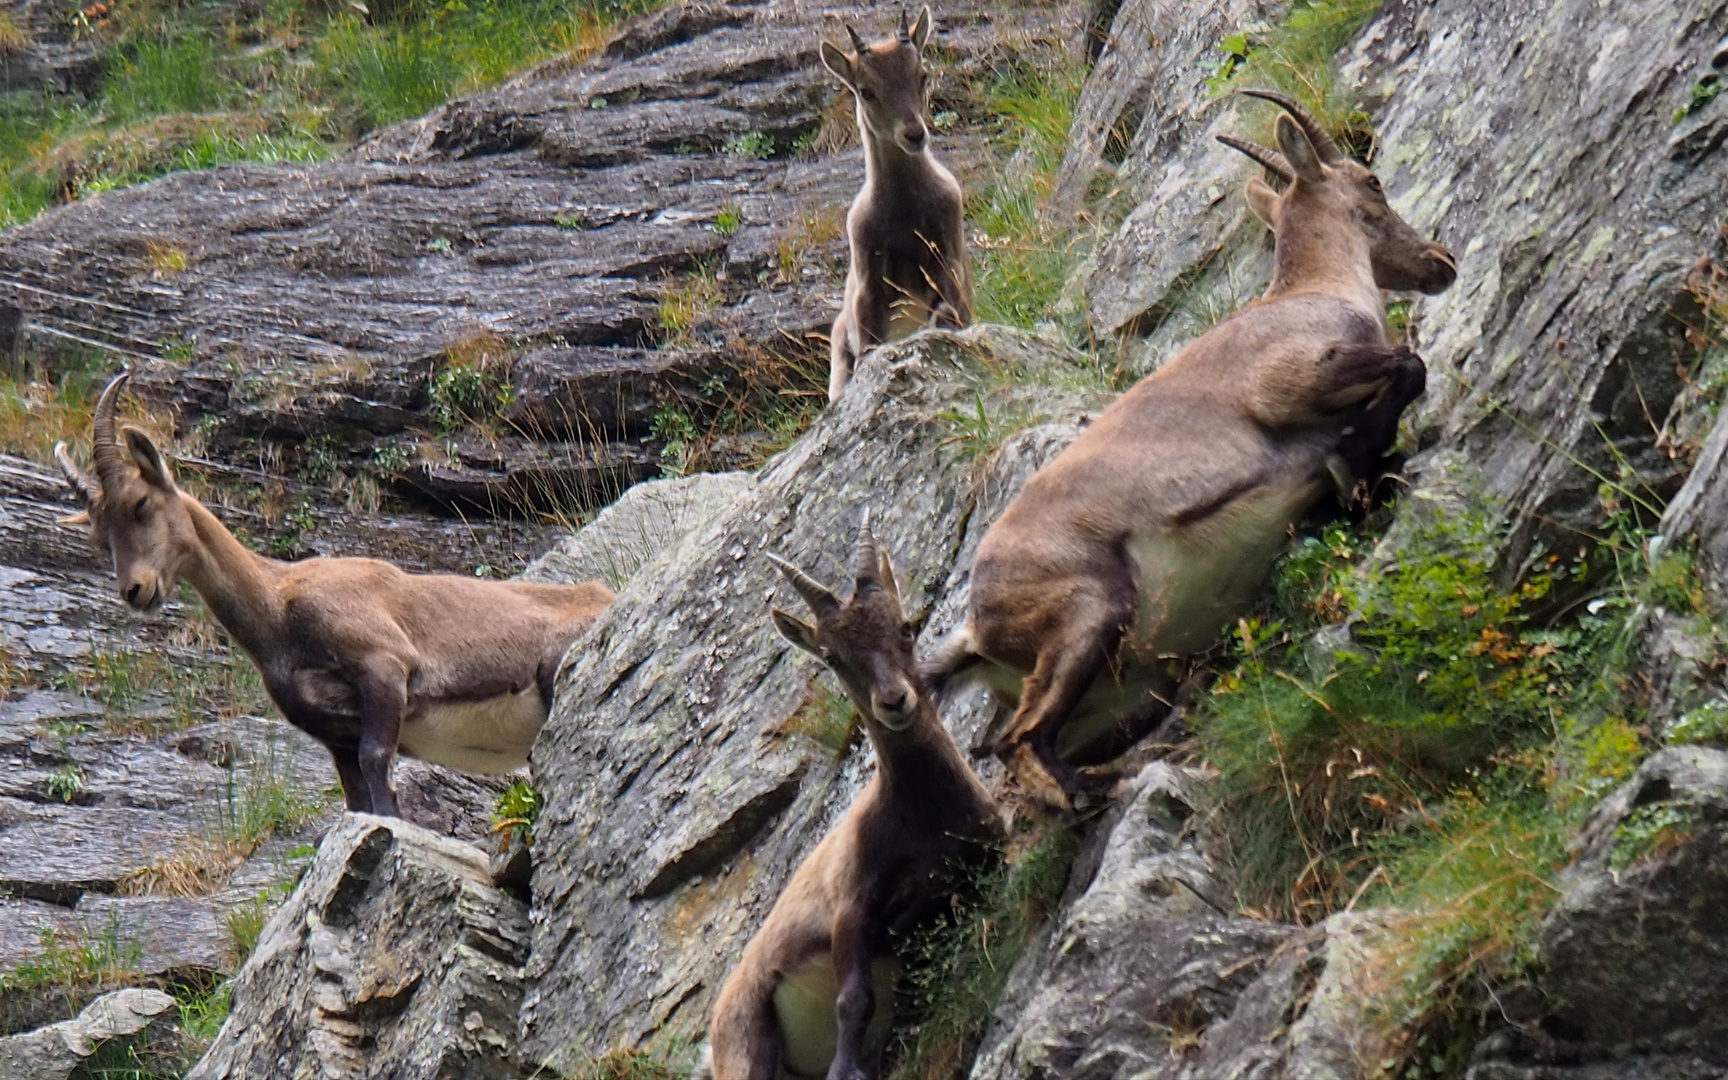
1156, 526
356, 653
812, 994
910, 267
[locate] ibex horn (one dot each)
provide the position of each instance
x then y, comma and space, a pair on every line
820, 598
83, 485
866, 565
1311, 126
905, 32
1275, 163
104, 449
858, 45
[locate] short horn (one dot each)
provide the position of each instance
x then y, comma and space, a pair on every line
858, 45
1273, 161
820, 598
83, 484
866, 565
905, 31
1310, 124
104, 448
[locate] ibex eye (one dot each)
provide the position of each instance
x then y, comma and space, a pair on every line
867, 94
143, 505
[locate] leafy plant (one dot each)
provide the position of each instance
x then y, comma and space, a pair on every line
1700, 94
750, 145
66, 783
517, 808
730, 218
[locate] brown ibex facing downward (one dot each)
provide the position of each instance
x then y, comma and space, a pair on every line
910, 267
1156, 526
812, 995
356, 653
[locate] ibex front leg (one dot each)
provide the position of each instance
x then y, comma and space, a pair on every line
383, 699
1385, 379
857, 1001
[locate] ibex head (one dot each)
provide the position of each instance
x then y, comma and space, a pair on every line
889, 80
1325, 187
132, 506
866, 640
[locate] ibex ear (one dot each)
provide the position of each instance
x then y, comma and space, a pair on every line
797, 631
921, 29
151, 464
838, 62
82, 517
1263, 201
1299, 151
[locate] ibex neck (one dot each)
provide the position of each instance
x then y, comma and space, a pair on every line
237, 585
1335, 262
886, 165
921, 764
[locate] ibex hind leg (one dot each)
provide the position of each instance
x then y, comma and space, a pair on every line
1075, 654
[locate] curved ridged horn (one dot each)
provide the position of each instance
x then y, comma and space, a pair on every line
820, 598
105, 449
905, 31
83, 484
1310, 125
866, 564
1273, 161
858, 45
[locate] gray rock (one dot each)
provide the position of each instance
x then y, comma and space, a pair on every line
54, 1052
1559, 346
647, 521
1635, 954
395, 957
677, 801
1150, 956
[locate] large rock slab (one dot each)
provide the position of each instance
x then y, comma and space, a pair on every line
678, 797
1574, 199
541, 223
396, 957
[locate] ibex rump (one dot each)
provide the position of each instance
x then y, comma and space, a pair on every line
358, 654
910, 267
1156, 526
812, 994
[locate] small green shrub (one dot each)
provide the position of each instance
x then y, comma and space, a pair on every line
751, 146
1649, 831
66, 783
729, 220
517, 808
1708, 723
956, 971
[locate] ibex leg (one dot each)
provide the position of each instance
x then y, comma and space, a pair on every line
1375, 428
856, 1003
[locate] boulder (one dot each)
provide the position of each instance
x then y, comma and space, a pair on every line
55, 1052
396, 957
682, 783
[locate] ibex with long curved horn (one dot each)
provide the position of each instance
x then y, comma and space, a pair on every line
363, 657
1156, 526
910, 268
812, 994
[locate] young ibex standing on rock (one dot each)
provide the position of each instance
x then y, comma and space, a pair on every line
909, 265
813, 994
1154, 529
358, 654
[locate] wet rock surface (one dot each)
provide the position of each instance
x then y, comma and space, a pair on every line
396, 957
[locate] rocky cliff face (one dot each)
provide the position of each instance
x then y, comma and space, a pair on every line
692, 759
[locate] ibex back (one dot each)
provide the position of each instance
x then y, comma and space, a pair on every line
909, 267
1156, 526
355, 652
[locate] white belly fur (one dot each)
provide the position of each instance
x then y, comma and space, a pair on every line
804, 1008
488, 736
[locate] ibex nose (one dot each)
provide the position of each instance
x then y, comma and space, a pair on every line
913, 137
133, 593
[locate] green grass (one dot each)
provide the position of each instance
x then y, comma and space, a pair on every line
1434, 760
193, 86
1299, 57
1023, 261
956, 971
517, 808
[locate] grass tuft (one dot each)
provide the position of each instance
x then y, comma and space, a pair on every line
1298, 56
956, 971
